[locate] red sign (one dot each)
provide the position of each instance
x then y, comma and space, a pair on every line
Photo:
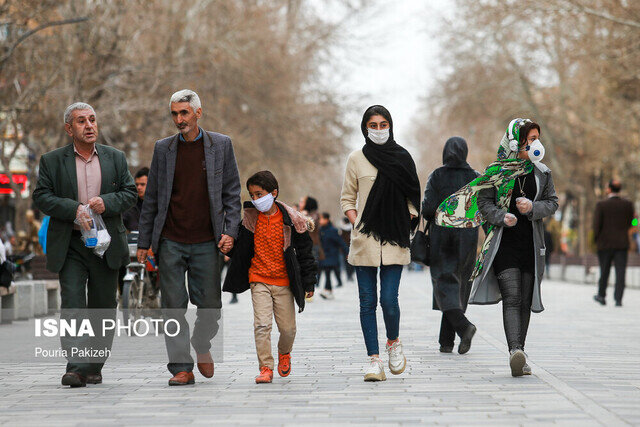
18, 178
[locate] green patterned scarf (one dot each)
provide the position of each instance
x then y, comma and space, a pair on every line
460, 210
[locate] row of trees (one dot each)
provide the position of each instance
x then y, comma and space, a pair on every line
572, 65
254, 63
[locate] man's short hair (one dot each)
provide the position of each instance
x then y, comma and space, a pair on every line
263, 179
325, 215
187, 95
615, 186
76, 106
142, 172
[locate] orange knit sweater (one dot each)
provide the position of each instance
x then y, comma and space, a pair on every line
267, 265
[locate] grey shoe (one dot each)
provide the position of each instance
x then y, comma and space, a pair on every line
526, 369
517, 360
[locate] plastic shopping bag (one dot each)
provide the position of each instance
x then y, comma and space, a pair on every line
94, 232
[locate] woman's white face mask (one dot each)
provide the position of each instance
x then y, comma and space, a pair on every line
536, 151
379, 136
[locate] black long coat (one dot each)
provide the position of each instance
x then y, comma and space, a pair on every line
453, 250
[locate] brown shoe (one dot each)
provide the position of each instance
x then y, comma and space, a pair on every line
205, 364
73, 379
182, 378
94, 379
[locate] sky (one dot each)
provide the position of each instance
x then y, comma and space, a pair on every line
389, 56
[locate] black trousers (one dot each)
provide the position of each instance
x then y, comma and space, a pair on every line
619, 259
87, 291
516, 288
327, 276
453, 321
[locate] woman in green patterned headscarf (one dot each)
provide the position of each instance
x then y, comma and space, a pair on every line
511, 264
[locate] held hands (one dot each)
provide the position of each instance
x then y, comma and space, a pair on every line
225, 244
142, 255
510, 220
524, 205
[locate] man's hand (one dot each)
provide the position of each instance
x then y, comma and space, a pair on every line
225, 244
97, 204
82, 218
142, 255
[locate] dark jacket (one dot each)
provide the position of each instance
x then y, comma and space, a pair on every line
56, 195
611, 223
453, 250
132, 216
332, 244
223, 182
302, 268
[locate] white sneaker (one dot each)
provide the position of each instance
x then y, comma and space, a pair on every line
375, 370
326, 294
397, 360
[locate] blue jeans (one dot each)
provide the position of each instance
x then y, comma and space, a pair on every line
368, 290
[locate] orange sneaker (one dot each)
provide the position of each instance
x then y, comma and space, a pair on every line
266, 376
284, 364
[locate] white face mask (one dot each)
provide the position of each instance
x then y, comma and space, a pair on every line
264, 203
536, 151
379, 136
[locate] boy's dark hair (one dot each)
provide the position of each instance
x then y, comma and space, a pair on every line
615, 186
264, 180
525, 129
326, 215
142, 172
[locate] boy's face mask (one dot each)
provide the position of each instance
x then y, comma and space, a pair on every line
536, 151
264, 203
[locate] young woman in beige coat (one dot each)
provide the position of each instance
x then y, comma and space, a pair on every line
380, 196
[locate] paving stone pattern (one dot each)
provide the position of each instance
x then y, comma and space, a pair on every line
585, 361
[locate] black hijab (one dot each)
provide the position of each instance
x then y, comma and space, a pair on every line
454, 154
386, 215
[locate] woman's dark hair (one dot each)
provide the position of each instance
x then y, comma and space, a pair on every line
525, 129
376, 110
264, 180
142, 172
311, 204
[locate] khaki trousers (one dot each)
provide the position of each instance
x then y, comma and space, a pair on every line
272, 301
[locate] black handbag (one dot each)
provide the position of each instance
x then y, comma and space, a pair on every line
421, 244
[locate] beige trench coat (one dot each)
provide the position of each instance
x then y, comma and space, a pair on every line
365, 251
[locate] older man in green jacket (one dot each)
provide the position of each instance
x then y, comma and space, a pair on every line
70, 178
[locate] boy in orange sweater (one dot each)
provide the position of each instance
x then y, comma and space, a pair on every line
273, 257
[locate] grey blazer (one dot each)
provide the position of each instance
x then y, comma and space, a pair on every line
223, 182
485, 287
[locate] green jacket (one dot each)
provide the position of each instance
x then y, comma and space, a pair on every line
56, 195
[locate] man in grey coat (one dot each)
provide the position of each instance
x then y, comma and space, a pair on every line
190, 212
